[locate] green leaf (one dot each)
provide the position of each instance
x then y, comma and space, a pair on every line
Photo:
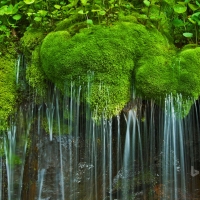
178, 8
95, 10
17, 17
81, 12
188, 35
29, 1
195, 17
187, 1
3, 28
89, 21
9, 10
198, 4
57, 6
3, 10
191, 20
181, 3
178, 22
42, 13
4, 2
196, 14
15, 9
84, 2
143, 17
29, 14
38, 19
102, 12
193, 7
146, 3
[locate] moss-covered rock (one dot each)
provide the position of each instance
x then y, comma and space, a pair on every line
173, 74
111, 53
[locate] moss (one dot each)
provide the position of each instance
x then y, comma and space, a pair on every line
34, 74
7, 87
159, 75
30, 44
156, 76
110, 52
56, 130
68, 23
189, 74
31, 39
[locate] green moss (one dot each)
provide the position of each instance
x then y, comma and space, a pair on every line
156, 76
31, 39
159, 75
30, 44
7, 87
110, 52
56, 129
34, 74
188, 63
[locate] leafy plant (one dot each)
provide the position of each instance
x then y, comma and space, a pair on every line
187, 15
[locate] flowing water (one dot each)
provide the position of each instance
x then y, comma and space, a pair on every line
56, 150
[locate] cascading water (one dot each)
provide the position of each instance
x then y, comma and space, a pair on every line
57, 150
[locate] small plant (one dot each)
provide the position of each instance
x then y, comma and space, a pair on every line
187, 19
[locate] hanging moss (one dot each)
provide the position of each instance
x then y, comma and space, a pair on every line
34, 74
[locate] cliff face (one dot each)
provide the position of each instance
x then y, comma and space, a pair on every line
120, 61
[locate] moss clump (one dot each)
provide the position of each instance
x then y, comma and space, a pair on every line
7, 87
188, 63
30, 45
156, 76
160, 75
31, 39
110, 52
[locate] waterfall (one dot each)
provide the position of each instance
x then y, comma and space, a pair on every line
57, 150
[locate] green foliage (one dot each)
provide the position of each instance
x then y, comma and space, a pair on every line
187, 20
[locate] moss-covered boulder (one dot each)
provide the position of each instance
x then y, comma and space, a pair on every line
112, 53
157, 76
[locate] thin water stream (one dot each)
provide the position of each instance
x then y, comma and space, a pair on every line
56, 150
